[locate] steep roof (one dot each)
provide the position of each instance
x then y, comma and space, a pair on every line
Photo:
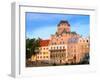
64, 22
44, 43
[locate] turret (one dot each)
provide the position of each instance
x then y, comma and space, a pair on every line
63, 26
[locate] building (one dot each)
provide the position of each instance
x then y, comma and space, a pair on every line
43, 54
77, 49
63, 47
58, 53
59, 41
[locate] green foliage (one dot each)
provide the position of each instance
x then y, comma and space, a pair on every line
85, 59
31, 46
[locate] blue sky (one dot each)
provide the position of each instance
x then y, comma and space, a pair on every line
44, 24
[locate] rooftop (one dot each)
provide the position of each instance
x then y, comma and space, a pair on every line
64, 22
44, 43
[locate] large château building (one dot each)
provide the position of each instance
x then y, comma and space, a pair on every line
63, 47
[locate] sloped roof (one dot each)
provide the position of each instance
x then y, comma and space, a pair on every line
44, 43
63, 22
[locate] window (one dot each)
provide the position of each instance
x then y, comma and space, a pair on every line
63, 47
62, 42
62, 55
87, 40
43, 52
74, 50
53, 43
60, 47
47, 48
38, 57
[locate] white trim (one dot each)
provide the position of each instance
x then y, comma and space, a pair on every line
18, 39
15, 41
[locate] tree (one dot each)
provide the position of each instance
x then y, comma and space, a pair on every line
31, 46
85, 59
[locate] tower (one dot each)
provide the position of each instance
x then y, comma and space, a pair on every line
63, 26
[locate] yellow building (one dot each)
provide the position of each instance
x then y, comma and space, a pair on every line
43, 54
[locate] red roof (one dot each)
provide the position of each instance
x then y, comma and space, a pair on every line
44, 43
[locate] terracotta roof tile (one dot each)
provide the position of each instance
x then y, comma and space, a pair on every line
44, 43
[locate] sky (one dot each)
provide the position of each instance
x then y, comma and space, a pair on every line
42, 25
